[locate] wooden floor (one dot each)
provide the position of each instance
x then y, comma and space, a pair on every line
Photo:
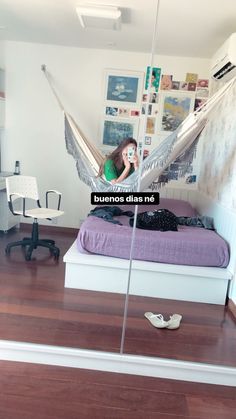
35, 307
30, 391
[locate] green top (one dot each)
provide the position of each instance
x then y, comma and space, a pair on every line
111, 172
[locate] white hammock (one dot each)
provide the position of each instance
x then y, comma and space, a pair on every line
179, 143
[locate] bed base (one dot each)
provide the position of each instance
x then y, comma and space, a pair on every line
149, 279
159, 280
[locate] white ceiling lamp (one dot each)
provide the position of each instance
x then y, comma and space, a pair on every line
99, 17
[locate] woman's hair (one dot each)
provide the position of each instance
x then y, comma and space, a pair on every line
116, 155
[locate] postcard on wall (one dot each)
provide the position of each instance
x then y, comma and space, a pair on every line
155, 78
150, 127
203, 83
175, 108
155, 110
192, 87
183, 85
115, 130
111, 111
148, 140
175, 85
191, 77
199, 102
202, 92
153, 98
123, 86
124, 112
134, 112
166, 82
148, 108
145, 97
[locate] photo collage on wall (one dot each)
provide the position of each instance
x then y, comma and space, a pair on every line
129, 103
172, 102
123, 90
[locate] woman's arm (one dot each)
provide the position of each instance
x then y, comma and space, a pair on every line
110, 170
136, 162
111, 174
123, 175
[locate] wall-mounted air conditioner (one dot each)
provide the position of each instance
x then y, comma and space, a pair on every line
223, 65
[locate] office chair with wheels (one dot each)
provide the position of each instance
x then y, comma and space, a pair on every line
24, 189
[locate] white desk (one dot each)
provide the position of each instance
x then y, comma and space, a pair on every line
7, 219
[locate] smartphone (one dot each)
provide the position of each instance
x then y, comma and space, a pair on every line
130, 154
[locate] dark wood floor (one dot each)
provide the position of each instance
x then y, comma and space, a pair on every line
46, 392
35, 307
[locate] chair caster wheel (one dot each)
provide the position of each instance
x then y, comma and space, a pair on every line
28, 255
56, 254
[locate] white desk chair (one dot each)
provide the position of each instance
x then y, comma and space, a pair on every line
25, 188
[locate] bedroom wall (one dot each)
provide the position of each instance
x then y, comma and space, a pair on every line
34, 124
2, 55
217, 177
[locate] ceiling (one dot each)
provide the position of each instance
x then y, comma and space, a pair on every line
194, 28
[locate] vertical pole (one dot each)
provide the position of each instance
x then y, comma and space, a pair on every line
154, 38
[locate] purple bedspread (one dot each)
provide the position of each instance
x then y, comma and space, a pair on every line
188, 246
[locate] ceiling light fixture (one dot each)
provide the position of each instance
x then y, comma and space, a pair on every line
99, 17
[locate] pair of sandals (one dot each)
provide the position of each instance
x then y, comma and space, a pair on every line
157, 320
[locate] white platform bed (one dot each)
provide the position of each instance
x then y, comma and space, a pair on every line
160, 280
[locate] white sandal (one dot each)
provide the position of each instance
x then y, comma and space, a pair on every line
157, 320
174, 321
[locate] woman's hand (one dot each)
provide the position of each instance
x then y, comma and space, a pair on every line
126, 161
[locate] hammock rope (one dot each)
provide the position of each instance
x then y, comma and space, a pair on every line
181, 142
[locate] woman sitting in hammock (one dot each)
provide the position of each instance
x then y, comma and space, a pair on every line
122, 162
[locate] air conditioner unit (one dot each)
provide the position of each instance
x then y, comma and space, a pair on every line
223, 65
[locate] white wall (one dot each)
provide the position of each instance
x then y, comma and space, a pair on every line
217, 178
2, 54
34, 125
217, 175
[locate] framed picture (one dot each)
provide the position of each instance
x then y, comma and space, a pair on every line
125, 87
134, 112
150, 127
175, 85
148, 140
174, 108
155, 78
111, 110
166, 82
115, 130
124, 112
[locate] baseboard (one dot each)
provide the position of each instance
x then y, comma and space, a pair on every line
117, 363
51, 228
232, 308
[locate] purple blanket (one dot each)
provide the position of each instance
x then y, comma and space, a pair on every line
188, 246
